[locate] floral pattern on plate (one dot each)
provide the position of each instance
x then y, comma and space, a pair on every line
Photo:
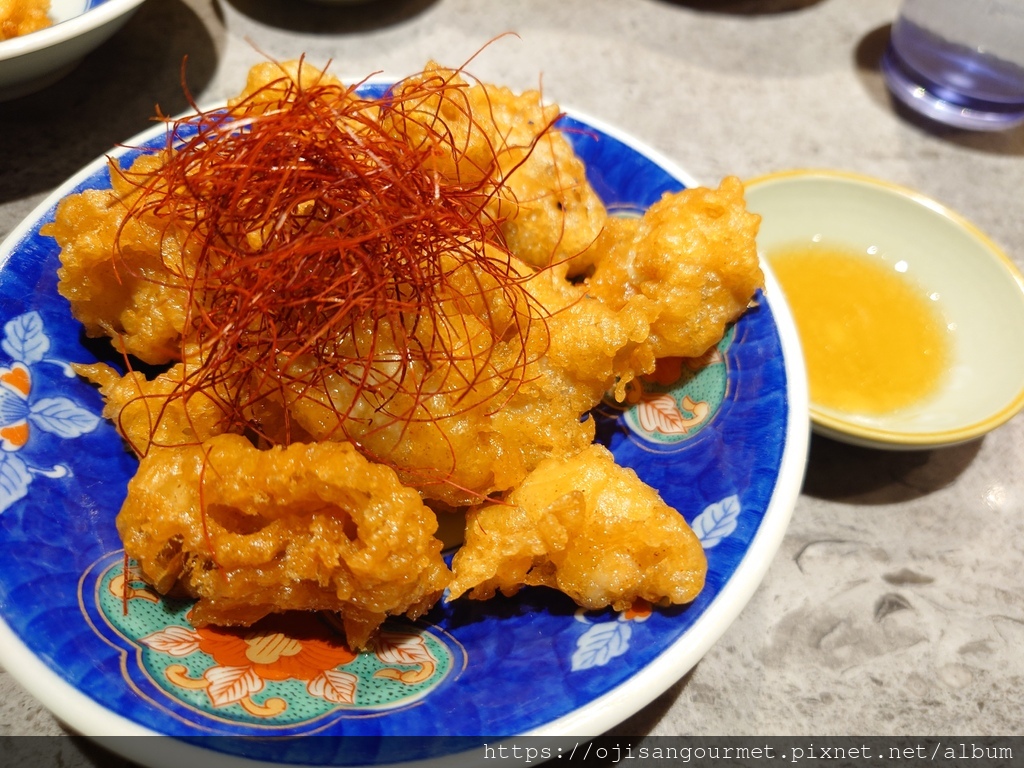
679, 398
23, 411
287, 670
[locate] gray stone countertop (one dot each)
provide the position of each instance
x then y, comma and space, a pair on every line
894, 603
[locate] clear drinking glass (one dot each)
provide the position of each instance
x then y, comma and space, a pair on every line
959, 61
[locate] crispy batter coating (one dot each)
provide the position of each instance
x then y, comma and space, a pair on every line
19, 17
134, 300
146, 413
550, 212
263, 80
586, 527
307, 527
665, 285
466, 457
691, 261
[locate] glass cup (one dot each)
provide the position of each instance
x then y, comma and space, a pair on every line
960, 62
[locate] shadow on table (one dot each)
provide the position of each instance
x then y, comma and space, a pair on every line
744, 7
837, 471
331, 19
868, 58
112, 95
100, 756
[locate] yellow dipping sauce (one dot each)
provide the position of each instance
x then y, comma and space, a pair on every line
873, 340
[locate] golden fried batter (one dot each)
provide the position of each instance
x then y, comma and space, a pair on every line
145, 412
549, 211
586, 527
264, 84
19, 17
307, 527
135, 299
692, 258
665, 285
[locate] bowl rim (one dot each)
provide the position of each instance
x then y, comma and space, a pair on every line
88, 20
830, 424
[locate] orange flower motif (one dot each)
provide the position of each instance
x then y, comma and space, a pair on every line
293, 646
17, 378
15, 388
640, 610
296, 647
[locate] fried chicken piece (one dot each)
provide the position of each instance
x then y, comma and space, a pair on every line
664, 285
691, 260
154, 411
549, 211
454, 444
586, 527
135, 299
308, 527
586, 304
19, 17
264, 81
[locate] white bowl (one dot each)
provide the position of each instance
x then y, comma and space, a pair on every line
982, 298
531, 666
35, 60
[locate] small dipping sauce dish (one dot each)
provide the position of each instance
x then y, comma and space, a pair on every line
911, 320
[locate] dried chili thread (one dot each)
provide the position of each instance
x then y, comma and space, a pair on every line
312, 223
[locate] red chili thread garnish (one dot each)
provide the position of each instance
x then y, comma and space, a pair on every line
335, 243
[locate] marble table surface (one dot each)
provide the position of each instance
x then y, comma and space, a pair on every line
894, 605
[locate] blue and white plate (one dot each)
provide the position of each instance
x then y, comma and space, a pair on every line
723, 439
